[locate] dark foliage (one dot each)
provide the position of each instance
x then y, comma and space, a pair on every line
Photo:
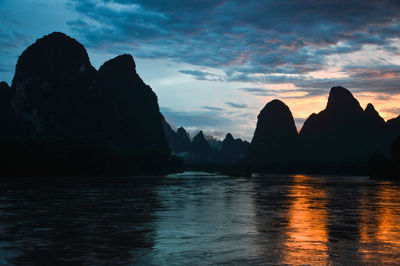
80, 157
381, 166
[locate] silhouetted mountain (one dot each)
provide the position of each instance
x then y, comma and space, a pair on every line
51, 83
126, 108
275, 138
58, 93
393, 128
343, 131
57, 98
184, 142
200, 145
233, 150
170, 134
178, 141
373, 118
375, 131
214, 143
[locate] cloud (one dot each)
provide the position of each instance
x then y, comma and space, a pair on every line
236, 105
200, 119
258, 37
201, 75
213, 108
238, 123
394, 110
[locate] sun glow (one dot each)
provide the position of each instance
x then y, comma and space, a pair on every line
301, 245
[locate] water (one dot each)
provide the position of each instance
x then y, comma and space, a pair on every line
200, 219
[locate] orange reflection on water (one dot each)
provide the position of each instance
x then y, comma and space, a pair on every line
307, 236
380, 225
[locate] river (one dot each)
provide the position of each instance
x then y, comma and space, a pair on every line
199, 219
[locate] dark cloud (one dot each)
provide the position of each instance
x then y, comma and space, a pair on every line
250, 37
236, 105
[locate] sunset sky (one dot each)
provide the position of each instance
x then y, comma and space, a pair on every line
215, 64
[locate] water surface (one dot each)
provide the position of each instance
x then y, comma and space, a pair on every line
200, 219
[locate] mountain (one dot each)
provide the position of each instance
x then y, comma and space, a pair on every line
275, 139
393, 128
126, 108
200, 145
178, 141
373, 118
63, 117
50, 86
343, 131
183, 144
205, 149
233, 150
214, 143
58, 93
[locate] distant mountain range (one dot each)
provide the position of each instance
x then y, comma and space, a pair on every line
58, 100
205, 149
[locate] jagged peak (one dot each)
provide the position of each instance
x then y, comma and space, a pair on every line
181, 130
342, 98
200, 135
372, 113
124, 62
228, 137
370, 108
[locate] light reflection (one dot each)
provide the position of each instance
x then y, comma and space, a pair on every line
307, 233
380, 225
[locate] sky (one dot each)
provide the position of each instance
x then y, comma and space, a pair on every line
215, 64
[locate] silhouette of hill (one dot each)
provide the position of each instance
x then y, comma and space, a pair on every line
200, 145
205, 150
58, 98
184, 142
127, 110
393, 128
340, 138
275, 140
50, 86
178, 141
214, 143
343, 131
233, 150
